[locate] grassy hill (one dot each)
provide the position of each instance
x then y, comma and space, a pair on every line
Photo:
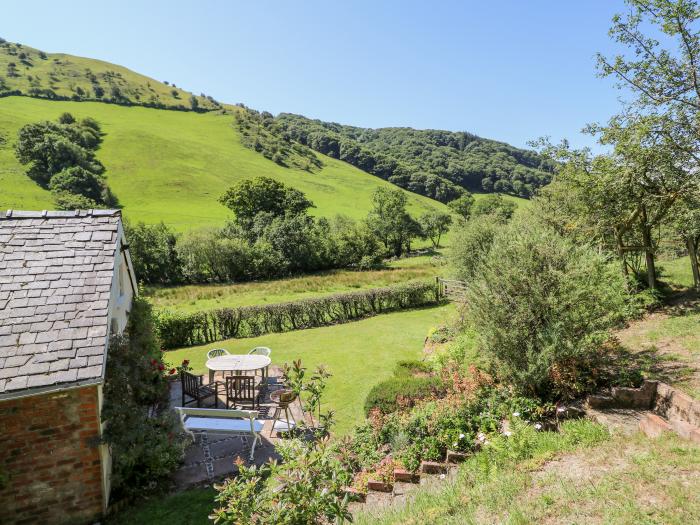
174, 165
28, 71
161, 164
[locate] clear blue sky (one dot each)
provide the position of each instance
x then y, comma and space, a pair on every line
511, 70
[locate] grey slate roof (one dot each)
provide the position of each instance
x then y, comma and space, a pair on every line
56, 272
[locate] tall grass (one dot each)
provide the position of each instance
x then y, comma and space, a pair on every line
193, 298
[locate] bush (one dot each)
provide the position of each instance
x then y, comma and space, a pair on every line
472, 243
153, 253
144, 437
176, 329
401, 392
540, 301
306, 488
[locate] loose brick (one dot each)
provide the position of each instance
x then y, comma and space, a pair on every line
654, 426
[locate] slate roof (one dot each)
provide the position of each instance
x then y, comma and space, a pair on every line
56, 272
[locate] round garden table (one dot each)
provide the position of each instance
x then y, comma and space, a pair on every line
237, 364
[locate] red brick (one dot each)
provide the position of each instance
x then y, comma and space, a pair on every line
42, 439
654, 426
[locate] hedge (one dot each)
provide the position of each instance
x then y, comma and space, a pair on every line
178, 330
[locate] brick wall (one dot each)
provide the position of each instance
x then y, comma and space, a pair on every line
50, 458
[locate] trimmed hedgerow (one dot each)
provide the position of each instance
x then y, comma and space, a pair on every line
177, 330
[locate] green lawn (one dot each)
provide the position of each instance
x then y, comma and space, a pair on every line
193, 298
677, 271
358, 354
173, 166
190, 507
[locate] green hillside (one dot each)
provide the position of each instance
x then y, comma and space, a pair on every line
432, 162
57, 76
174, 165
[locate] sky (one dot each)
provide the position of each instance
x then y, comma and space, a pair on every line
511, 70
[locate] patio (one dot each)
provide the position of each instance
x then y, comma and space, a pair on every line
222, 449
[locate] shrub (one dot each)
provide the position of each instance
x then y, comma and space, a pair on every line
177, 329
306, 488
540, 301
145, 438
471, 245
401, 391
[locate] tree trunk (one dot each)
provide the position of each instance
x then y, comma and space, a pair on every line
649, 255
621, 252
648, 251
693, 254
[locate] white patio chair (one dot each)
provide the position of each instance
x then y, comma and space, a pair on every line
262, 350
216, 352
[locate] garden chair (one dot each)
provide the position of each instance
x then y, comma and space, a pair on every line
261, 350
192, 387
243, 391
217, 352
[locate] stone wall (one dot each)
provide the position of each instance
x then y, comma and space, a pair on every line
49, 458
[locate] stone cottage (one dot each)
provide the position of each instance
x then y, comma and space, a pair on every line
66, 283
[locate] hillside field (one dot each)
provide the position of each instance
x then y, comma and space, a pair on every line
173, 165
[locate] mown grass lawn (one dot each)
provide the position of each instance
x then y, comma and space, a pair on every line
194, 298
358, 354
190, 507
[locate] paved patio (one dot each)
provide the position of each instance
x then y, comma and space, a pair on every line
225, 449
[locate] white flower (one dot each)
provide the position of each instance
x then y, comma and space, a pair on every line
454, 444
481, 436
538, 426
507, 433
561, 409
461, 436
516, 414
442, 476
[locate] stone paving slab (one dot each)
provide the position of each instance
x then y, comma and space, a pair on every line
225, 449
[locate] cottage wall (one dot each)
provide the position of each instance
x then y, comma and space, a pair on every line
50, 465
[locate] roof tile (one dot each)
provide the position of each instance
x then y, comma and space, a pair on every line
55, 277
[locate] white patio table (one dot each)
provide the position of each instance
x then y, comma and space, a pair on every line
237, 363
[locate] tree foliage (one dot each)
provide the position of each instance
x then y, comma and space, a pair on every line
439, 164
61, 157
542, 303
249, 198
494, 205
434, 225
462, 205
390, 221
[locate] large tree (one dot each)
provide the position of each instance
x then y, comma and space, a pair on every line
251, 197
434, 225
390, 221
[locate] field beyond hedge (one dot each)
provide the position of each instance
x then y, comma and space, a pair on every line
198, 298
